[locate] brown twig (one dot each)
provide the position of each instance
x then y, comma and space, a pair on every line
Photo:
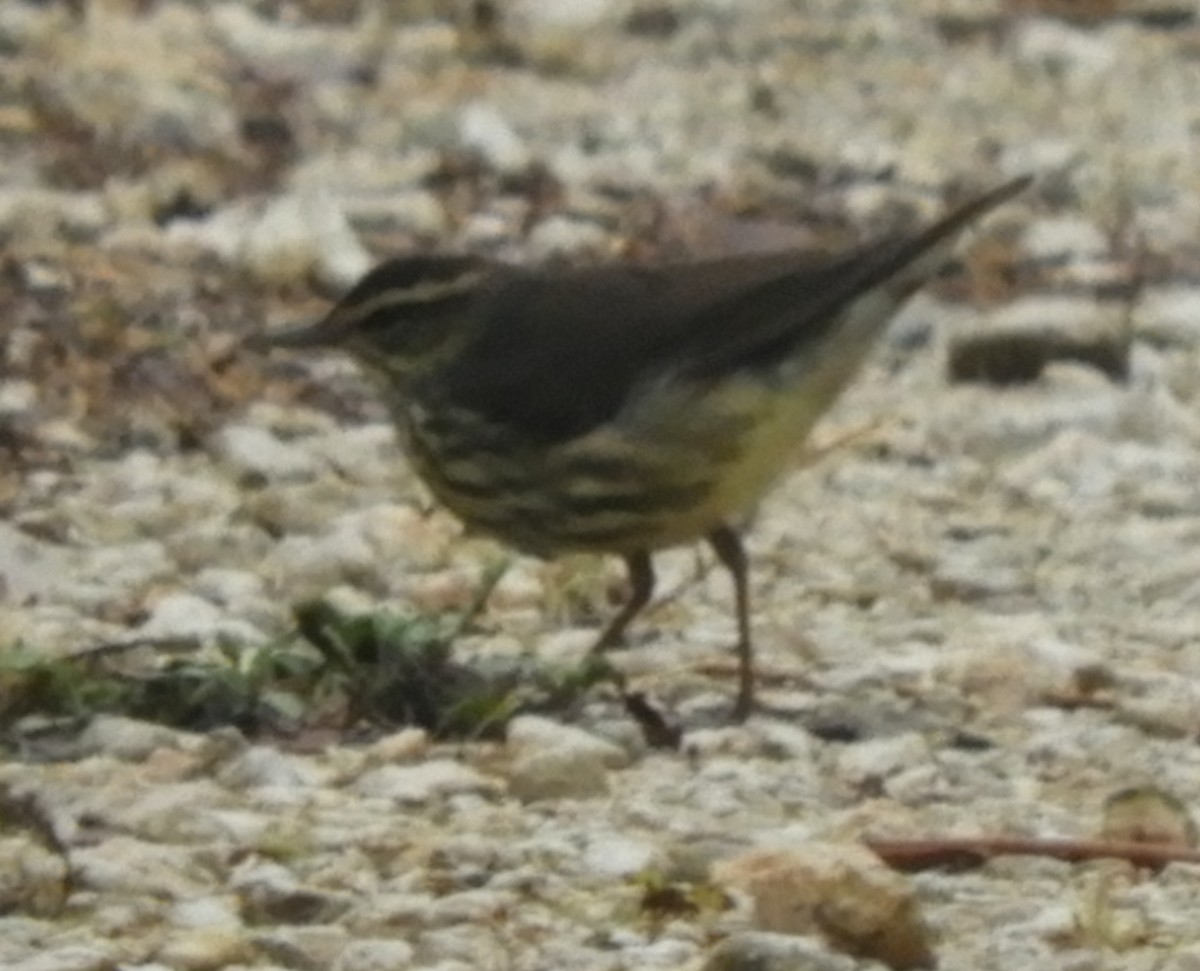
972, 851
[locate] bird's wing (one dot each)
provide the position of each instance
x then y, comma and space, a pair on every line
565, 350
562, 352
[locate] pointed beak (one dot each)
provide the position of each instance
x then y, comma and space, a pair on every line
293, 338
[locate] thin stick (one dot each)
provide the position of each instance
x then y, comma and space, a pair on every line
962, 852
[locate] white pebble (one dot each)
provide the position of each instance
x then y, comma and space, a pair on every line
302, 235
374, 954
483, 129
531, 734
1063, 238
421, 783
255, 451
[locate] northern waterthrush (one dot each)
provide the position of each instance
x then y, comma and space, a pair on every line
618, 408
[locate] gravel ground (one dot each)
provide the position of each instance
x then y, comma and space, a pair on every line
976, 612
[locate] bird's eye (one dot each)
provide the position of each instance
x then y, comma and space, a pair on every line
413, 329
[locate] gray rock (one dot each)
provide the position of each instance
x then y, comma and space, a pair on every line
557, 773
614, 856
121, 864
1056, 47
301, 236
29, 567
79, 957
270, 894
263, 766
1169, 314
569, 15
777, 952
560, 236
212, 911
206, 949
255, 451
33, 879
375, 954
483, 129
531, 734
126, 738
1185, 958
1067, 239
306, 948
426, 781
184, 616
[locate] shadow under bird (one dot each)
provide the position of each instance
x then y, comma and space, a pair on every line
622, 409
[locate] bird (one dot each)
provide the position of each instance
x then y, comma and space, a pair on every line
621, 408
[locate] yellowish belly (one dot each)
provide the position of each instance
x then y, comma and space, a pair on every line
677, 464
776, 424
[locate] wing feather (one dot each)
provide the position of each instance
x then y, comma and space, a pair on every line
565, 350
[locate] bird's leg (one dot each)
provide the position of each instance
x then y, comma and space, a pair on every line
728, 547
641, 588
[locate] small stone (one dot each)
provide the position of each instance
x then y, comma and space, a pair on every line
29, 567
1056, 47
309, 566
617, 857
1169, 717
37, 214
414, 211
483, 129
988, 568
398, 536
167, 765
778, 739
842, 892
287, 50
398, 911
230, 588
211, 911
486, 229
468, 947
1148, 814
707, 744
185, 616
270, 894
263, 765
33, 880
1055, 314
557, 773
1169, 315
73, 958
472, 907
1063, 239
309, 948
776, 952
665, 954
871, 762
17, 396
254, 451
563, 236
575, 15
126, 738
402, 746
435, 779
304, 235
1184, 958
528, 734
375, 954
368, 455
209, 949
122, 864
247, 828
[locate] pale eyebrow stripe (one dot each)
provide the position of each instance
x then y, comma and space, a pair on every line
429, 291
